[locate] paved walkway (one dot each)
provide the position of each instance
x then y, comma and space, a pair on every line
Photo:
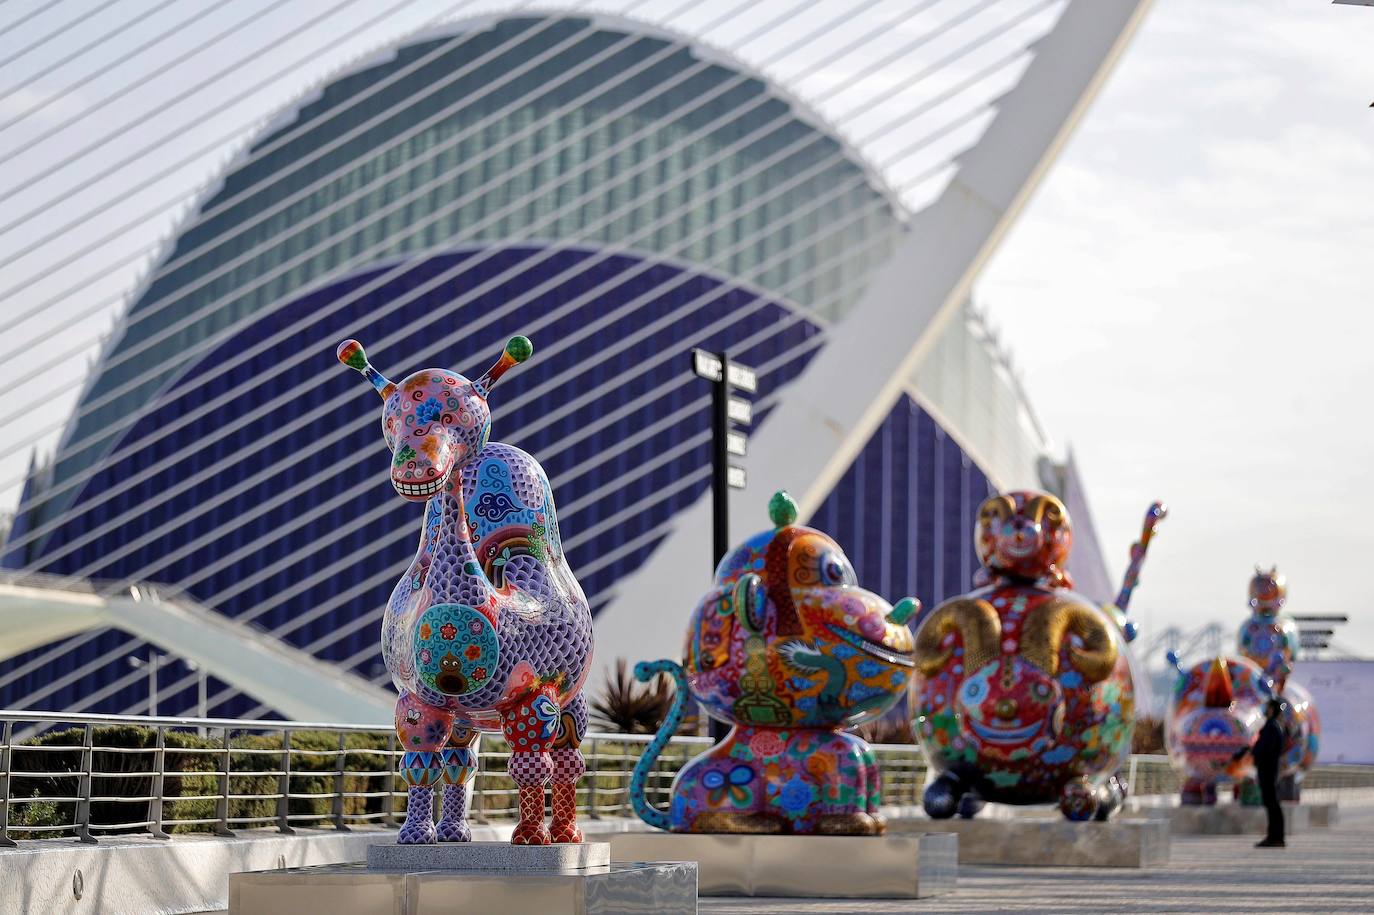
1322, 870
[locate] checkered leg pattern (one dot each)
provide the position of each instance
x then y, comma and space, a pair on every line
530, 771
568, 767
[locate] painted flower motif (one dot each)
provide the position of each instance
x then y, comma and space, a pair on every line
425, 631
448, 632
546, 714
795, 795
435, 731
479, 673
429, 411
766, 743
472, 652
820, 765
475, 627
425, 656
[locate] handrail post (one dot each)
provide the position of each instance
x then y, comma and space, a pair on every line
222, 802
159, 771
389, 783
284, 786
7, 736
338, 807
83, 804
594, 764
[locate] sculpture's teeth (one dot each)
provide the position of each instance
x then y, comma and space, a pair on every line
420, 489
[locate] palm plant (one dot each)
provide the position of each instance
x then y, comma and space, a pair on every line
628, 707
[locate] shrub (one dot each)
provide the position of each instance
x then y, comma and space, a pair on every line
186, 792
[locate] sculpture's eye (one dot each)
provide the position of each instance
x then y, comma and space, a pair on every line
1041, 691
834, 570
973, 690
755, 598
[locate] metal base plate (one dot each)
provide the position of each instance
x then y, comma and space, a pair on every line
463, 856
661, 889
1052, 841
854, 867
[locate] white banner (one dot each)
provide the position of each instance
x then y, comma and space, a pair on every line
1343, 691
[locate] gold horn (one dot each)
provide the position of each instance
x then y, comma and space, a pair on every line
977, 624
1043, 633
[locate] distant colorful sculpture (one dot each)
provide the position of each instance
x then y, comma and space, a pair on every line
1270, 636
1218, 705
488, 630
1024, 692
1270, 639
1216, 711
788, 649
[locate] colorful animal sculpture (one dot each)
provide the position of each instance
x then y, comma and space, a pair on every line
789, 650
1216, 710
1270, 636
1024, 692
1270, 639
488, 630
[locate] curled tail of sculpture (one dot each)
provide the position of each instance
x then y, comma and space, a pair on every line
644, 671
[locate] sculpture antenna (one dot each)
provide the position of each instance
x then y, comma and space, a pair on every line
1155, 514
350, 353
1217, 687
782, 509
517, 350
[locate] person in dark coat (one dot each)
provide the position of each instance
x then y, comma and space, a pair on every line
1267, 749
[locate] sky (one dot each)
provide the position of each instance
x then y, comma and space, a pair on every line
1187, 294
1189, 297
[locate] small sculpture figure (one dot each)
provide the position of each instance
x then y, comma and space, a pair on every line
1270, 637
1024, 692
488, 630
788, 649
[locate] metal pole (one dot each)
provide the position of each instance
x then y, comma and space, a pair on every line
222, 802
83, 804
284, 787
7, 736
159, 773
154, 659
720, 463
389, 782
594, 761
341, 764
203, 704
720, 491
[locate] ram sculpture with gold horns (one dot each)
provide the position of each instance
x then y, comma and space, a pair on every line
1024, 691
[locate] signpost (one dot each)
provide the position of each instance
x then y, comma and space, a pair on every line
726, 377
1314, 630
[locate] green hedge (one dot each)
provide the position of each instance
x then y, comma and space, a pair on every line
134, 771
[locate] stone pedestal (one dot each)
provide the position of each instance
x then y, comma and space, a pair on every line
471, 877
1052, 841
854, 867
1239, 819
1320, 816
497, 856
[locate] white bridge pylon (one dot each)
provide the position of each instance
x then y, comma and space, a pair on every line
294, 682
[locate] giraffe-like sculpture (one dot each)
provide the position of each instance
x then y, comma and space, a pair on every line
488, 630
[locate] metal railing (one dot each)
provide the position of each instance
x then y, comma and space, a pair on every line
92, 775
